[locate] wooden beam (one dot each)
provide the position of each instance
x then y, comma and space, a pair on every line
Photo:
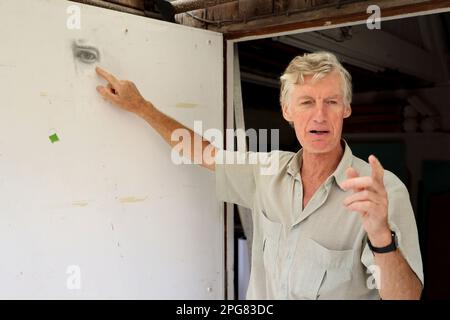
135, 4
329, 16
112, 5
251, 8
433, 37
135, 7
181, 6
373, 50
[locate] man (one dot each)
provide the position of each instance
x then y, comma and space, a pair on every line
326, 223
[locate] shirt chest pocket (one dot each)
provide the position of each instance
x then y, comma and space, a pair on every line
270, 243
318, 270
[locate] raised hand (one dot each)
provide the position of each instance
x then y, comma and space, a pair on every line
370, 200
122, 93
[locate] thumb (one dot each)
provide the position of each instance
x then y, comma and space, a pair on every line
107, 94
351, 173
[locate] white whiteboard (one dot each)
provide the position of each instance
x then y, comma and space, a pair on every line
106, 198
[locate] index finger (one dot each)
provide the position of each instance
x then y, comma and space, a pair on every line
377, 168
107, 76
357, 183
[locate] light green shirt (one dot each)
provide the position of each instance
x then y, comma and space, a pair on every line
319, 252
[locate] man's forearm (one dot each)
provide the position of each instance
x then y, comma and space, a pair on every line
166, 125
398, 281
125, 94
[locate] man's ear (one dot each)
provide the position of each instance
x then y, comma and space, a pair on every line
287, 113
347, 111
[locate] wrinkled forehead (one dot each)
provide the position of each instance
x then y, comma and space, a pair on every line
328, 85
333, 78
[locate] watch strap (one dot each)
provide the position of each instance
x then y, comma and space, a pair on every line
389, 248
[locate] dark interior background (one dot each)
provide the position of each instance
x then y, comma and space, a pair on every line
400, 112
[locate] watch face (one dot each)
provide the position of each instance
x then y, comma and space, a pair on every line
394, 239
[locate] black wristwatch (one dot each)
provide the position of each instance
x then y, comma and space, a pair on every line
389, 248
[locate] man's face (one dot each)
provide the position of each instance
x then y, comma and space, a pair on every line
317, 110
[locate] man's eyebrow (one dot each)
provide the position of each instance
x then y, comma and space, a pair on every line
335, 96
304, 97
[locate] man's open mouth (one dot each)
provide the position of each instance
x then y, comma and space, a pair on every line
319, 132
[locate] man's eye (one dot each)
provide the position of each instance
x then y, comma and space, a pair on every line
306, 102
332, 102
86, 55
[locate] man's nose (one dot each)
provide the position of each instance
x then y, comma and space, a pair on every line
319, 112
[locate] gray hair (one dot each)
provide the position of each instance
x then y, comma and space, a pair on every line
318, 64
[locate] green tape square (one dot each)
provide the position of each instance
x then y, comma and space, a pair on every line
54, 138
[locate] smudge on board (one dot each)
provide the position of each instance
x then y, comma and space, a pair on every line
186, 105
80, 203
131, 199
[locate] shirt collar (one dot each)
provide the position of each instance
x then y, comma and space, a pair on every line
295, 164
339, 174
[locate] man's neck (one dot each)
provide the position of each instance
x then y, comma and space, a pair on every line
319, 166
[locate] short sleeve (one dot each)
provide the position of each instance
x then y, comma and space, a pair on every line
402, 222
235, 177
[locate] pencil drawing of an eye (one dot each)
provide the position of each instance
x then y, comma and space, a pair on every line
84, 53
87, 55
